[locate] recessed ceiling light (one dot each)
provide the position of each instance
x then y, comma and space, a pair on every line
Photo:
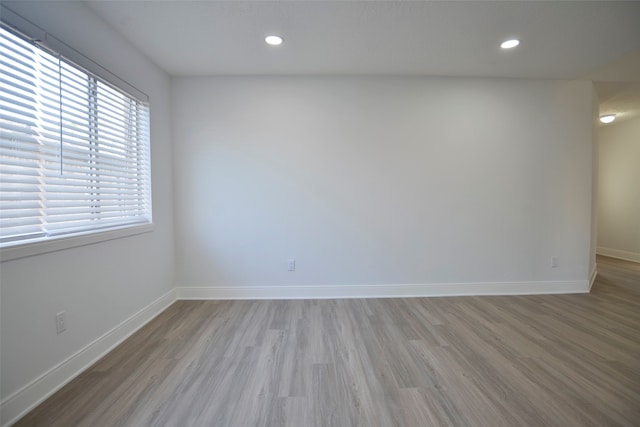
608, 118
274, 40
508, 44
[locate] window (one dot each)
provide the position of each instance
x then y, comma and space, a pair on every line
74, 149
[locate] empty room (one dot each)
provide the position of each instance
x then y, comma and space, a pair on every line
319, 213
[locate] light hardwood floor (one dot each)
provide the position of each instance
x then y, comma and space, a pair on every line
566, 360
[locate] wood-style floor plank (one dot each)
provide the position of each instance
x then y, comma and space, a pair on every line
557, 360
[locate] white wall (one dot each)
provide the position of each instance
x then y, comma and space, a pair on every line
98, 285
380, 180
595, 114
619, 188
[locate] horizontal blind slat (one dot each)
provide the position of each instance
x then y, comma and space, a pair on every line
24, 233
85, 225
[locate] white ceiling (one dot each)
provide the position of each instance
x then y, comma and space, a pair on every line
560, 39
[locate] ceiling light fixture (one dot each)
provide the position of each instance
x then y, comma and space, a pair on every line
508, 44
274, 40
607, 118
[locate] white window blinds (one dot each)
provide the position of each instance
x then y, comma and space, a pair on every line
74, 151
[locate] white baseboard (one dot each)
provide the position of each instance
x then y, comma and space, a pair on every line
616, 253
382, 291
16, 405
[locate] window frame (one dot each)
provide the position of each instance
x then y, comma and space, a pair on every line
28, 31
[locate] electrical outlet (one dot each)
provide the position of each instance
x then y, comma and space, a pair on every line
291, 265
554, 261
61, 322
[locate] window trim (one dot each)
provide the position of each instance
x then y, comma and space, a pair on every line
68, 241
22, 249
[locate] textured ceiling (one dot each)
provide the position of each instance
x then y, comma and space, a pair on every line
560, 40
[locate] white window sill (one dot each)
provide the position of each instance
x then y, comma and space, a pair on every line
72, 241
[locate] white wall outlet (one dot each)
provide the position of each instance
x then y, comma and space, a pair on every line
291, 265
554, 261
61, 322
